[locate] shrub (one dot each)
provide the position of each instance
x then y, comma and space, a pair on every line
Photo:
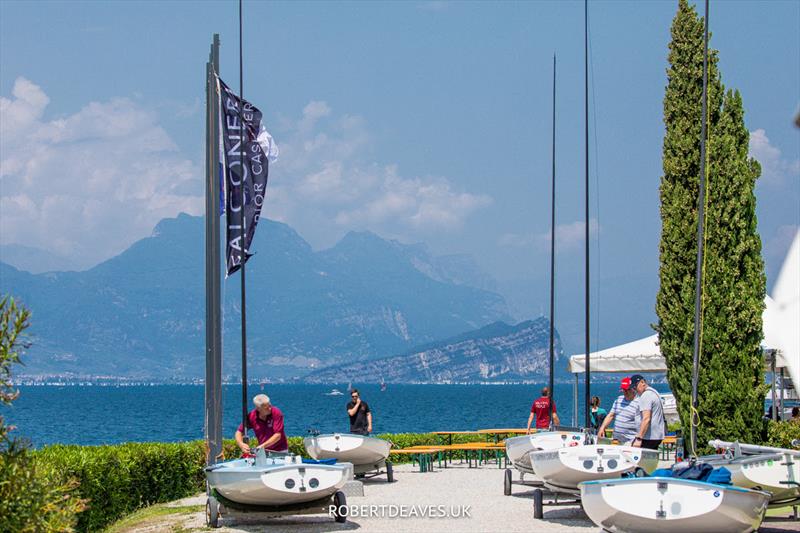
781, 434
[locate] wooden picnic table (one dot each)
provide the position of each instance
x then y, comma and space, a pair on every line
449, 434
504, 432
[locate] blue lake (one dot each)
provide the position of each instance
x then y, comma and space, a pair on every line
107, 414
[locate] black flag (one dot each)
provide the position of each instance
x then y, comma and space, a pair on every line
245, 181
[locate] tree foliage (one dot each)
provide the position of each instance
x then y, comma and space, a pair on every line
731, 388
29, 500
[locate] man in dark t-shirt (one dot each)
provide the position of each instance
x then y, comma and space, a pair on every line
541, 411
360, 415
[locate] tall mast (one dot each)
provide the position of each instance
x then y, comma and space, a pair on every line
553, 247
587, 375
213, 381
242, 229
698, 286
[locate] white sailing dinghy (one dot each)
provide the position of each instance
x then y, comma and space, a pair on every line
367, 454
658, 504
275, 481
518, 448
775, 470
562, 470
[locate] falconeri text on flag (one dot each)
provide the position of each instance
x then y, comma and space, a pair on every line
245, 171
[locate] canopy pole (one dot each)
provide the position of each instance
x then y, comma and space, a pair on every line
575, 402
774, 403
213, 378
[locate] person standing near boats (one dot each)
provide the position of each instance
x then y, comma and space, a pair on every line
598, 414
541, 411
651, 430
266, 421
360, 414
624, 414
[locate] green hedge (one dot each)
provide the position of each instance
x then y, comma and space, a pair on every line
781, 434
117, 480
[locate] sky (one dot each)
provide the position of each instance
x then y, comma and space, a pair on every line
420, 121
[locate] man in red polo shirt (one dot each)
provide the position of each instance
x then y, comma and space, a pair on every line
266, 421
541, 410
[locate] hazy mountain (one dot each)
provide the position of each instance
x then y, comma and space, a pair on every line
497, 352
34, 260
141, 313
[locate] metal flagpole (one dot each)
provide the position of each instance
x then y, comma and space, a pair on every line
213, 385
698, 286
553, 249
586, 140
242, 228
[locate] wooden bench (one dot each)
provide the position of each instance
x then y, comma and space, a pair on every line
422, 455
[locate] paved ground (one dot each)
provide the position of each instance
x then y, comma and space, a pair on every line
481, 489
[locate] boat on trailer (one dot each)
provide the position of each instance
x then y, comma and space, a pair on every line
366, 454
519, 448
275, 485
563, 469
775, 470
658, 504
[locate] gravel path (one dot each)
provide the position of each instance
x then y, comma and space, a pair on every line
479, 488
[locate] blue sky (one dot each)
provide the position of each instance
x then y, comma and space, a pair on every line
421, 121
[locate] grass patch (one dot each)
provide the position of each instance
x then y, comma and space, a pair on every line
781, 511
142, 516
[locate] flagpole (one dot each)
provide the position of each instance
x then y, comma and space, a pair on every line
242, 230
213, 384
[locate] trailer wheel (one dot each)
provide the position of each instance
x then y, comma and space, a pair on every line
212, 512
389, 472
340, 507
507, 482
538, 504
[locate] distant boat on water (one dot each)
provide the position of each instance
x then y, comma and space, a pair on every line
383, 385
334, 392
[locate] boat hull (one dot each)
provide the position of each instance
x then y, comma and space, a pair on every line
656, 505
778, 474
563, 469
359, 450
276, 482
518, 448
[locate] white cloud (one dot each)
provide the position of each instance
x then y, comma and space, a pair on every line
568, 237
326, 182
775, 169
89, 184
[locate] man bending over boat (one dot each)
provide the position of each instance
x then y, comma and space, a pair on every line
625, 415
360, 414
541, 411
266, 421
651, 430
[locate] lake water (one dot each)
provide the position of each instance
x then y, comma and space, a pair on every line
108, 414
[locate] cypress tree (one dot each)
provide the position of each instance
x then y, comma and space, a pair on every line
730, 387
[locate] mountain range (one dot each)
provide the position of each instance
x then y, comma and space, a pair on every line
141, 314
496, 352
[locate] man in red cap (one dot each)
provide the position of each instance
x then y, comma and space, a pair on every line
626, 413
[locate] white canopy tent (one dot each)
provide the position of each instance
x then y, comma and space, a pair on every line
781, 320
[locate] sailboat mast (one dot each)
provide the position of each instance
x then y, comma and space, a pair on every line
553, 247
698, 287
242, 230
587, 375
